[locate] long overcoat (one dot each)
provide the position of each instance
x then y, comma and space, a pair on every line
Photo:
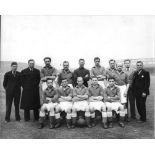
30, 94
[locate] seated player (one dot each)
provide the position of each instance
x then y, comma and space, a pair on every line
121, 79
112, 101
49, 102
65, 101
96, 102
80, 99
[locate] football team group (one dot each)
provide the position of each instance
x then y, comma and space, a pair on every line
80, 95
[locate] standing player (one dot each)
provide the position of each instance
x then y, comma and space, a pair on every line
96, 94
48, 72
80, 99
65, 101
130, 96
49, 102
81, 72
99, 72
65, 74
112, 70
140, 86
121, 80
112, 101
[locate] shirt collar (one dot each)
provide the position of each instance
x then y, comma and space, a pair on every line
67, 87
127, 69
50, 89
68, 71
139, 71
97, 66
31, 69
13, 72
112, 88
48, 66
81, 68
120, 72
97, 86
112, 69
80, 87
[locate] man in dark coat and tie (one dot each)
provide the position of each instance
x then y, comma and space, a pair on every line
30, 79
12, 86
140, 88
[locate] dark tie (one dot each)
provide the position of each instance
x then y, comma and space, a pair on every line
14, 73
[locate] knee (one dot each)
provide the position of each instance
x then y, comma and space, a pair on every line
74, 109
68, 110
121, 108
87, 109
91, 109
103, 108
42, 109
109, 108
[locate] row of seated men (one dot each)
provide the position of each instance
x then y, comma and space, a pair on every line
81, 98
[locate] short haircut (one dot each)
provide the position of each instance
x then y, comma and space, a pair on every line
111, 78
111, 60
49, 79
64, 79
93, 77
65, 62
47, 58
139, 62
14, 63
96, 58
81, 59
79, 77
127, 60
30, 60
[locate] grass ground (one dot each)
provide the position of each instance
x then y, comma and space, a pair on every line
28, 130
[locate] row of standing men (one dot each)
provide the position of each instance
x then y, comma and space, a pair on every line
33, 82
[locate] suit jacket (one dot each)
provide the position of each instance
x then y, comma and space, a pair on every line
30, 95
12, 83
141, 82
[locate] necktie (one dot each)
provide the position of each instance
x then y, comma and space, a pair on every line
14, 73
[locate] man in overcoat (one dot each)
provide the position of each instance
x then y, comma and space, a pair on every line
30, 79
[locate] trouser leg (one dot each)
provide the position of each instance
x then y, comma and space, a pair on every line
131, 100
26, 114
16, 104
9, 99
141, 107
36, 114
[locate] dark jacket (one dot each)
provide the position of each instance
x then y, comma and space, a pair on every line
12, 83
81, 72
141, 82
30, 95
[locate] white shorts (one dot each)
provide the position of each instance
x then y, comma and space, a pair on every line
47, 107
64, 106
103, 84
116, 106
80, 105
122, 90
98, 105
44, 85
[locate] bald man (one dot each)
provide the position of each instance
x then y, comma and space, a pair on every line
80, 99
